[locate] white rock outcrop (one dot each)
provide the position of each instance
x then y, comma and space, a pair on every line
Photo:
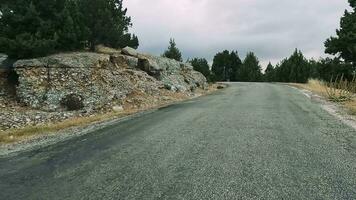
100, 79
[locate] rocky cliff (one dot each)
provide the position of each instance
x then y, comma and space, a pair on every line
100, 80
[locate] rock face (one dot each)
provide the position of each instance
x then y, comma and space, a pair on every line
98, 80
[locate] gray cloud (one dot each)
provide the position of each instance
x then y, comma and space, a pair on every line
272, 29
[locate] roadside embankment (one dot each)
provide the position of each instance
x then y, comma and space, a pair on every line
76, 89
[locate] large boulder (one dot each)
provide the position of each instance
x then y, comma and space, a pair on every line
124, 61
67, 60
176, 76
130, 52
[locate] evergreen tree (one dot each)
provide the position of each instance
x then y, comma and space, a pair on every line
328, 68
173, 52
344, 43
294, 69
133, 42
73, 32
33, 28
299, 68
235, 63
226, 66
222, 66
107, 23
269, 73
201, 65
24, 32
251, 69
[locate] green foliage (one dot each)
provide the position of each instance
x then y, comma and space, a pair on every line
24, 32
226, 66
107, 23
221, 66
344, 43
269, 75
33, 28
201, 65
297, 69
173, 52
328, 68
251, 69
294, 69
236, 65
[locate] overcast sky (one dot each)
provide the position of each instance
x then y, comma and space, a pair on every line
270, 28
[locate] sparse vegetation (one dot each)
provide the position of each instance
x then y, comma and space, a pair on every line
338, 90
72, 102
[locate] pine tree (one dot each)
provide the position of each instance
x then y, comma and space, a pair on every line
33, 28
73, 32
24, 32
294, 69
201, 65
107, 23
251, 69
226, 66
328, 68
299, 68
344, 43
133, 42
222, 66
236, 64
269, 73
173, 52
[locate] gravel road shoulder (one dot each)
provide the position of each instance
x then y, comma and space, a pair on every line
332, 108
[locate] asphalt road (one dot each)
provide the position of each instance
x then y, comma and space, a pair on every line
250, 141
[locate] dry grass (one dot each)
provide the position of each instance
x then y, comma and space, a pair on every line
347, 99
313, 85
15, 135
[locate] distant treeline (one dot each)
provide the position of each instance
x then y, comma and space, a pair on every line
298, 69
33, 28
227, 66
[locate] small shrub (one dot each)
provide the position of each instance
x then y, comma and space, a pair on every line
339, 89
72, 102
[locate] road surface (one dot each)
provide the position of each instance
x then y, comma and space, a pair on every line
249, 141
